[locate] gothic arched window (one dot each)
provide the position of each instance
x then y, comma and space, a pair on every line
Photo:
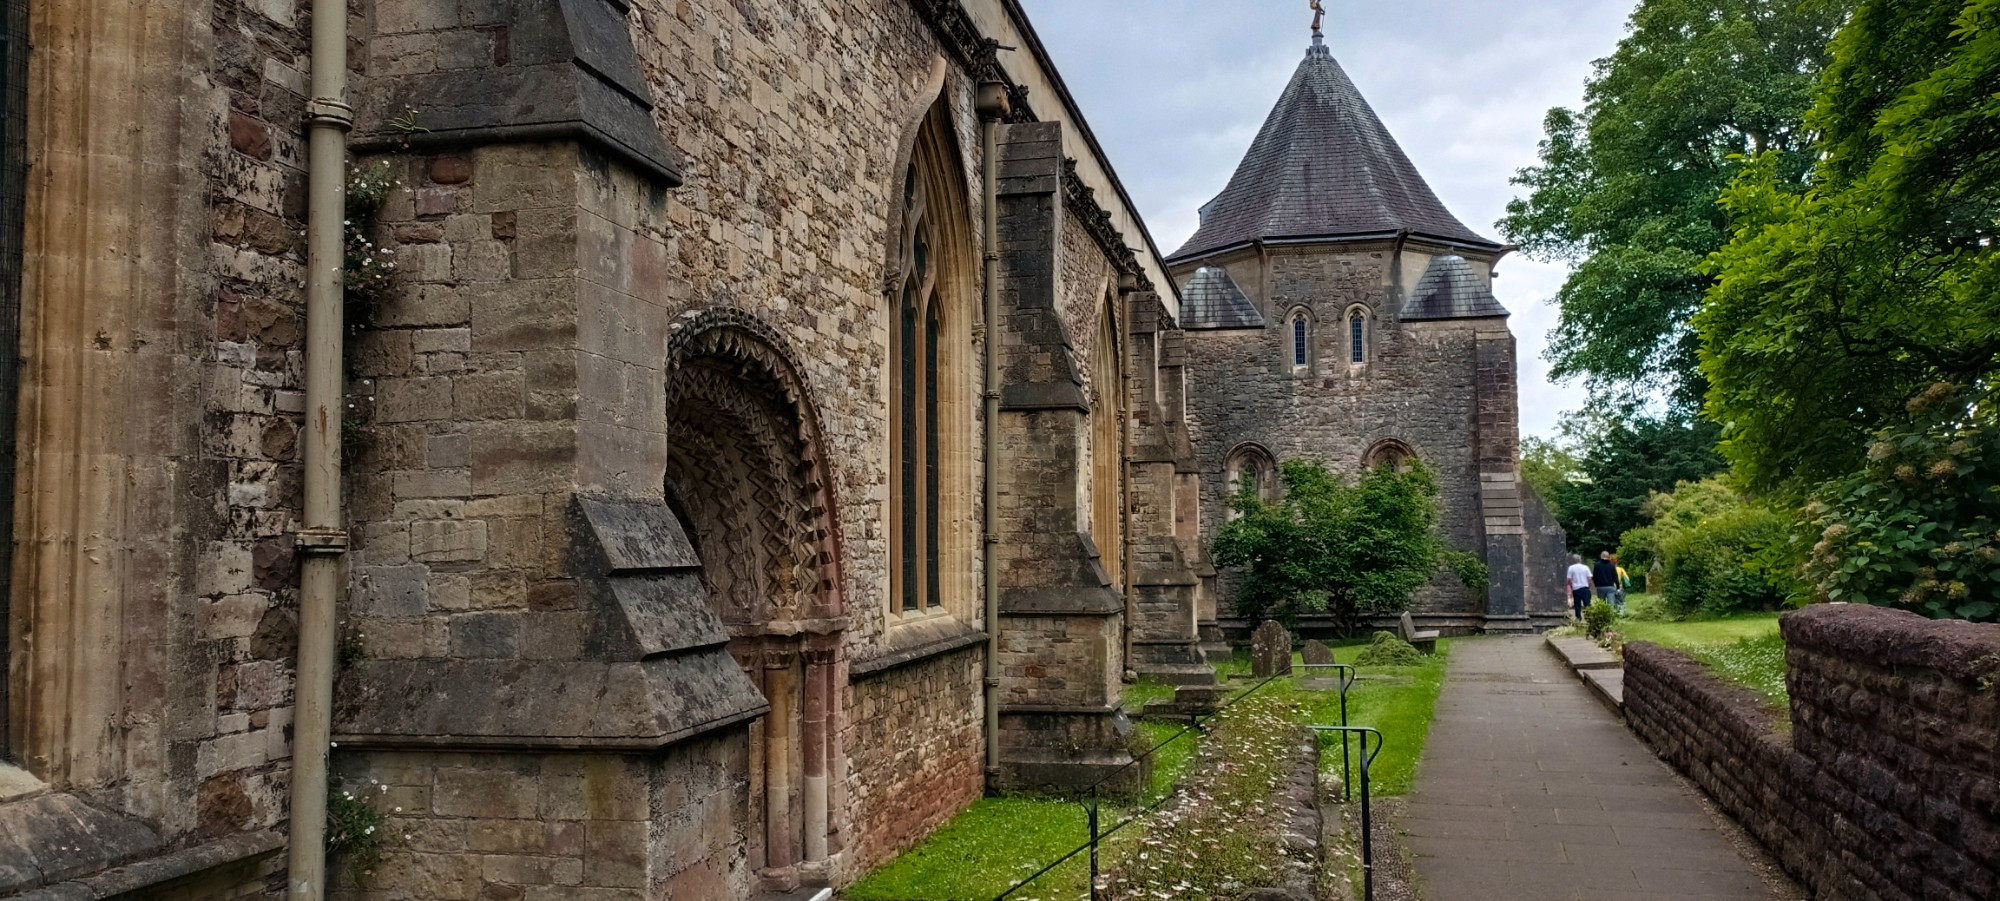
931, 536
916, 404
1299, 344
1357, 336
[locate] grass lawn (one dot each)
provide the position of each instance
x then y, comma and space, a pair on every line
984, 850
1745, 649
1396, 700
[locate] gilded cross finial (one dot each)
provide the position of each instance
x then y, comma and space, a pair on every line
1319, 14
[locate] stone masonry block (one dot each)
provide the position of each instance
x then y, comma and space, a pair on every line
447, 541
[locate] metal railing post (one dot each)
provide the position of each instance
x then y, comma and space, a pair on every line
1093, 843
1367, 815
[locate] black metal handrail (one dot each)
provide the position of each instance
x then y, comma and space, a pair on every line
1348, 675
1367, 821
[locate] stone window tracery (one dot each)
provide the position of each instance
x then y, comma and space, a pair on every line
916, 363
930, 349
1251, 467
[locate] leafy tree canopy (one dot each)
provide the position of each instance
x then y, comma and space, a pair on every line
1836, 304
1626, 189
1351, 549
1622, 458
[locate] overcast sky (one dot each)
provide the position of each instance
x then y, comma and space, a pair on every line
1176, 90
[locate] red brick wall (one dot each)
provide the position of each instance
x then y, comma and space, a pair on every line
1887, 785
916, 753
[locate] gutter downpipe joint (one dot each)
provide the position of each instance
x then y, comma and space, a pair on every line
993, 104
322, 541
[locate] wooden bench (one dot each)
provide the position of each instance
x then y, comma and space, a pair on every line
1426, 642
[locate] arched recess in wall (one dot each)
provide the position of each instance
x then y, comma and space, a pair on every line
1299, 343
1107, 438
1390, 452
1251, 465
747, 475
930, 300
1358, 334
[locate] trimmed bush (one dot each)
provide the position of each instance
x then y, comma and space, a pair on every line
1389, 649
1741, 560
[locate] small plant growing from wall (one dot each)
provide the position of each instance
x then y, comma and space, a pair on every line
355, 830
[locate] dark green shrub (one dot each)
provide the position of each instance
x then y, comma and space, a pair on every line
1919, 527
1389, 649
1597, 618
1736, 561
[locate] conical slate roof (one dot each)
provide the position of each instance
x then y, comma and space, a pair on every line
1212, 300
1452, 289
1324, 166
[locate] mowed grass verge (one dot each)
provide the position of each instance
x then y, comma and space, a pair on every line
1746, 649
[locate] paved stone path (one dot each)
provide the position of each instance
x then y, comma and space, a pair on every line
1530, 789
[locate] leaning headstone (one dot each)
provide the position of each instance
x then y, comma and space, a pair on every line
1270, 651
1316, 652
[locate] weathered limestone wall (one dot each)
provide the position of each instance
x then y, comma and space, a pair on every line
151, 615
1885, 786
470, 827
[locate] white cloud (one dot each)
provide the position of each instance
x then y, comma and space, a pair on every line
1176, 90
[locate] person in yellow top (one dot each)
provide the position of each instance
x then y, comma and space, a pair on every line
1624, 585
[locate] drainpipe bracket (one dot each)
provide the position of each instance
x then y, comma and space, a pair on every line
317, 542
327, 111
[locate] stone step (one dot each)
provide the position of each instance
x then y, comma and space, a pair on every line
804, 894
1179, 674
1608, 685
1582, 653
1189, 700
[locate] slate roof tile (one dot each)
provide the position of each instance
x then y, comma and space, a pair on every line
1451, 289
1324, 165
1212, 300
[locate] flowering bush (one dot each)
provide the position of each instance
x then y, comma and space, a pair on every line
1919, 526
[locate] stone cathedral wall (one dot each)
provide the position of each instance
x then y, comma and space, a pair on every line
1419, 387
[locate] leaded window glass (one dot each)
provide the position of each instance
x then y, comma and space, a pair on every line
919, 329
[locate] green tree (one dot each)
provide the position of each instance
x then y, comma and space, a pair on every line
1626, 188
1624, 458
1548, 465
1837, 304
1669, 515
1350, 549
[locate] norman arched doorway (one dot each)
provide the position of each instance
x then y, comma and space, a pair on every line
745, 475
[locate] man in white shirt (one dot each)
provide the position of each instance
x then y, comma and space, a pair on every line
1579, 585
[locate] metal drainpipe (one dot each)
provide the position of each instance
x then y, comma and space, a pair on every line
322, 542
993, 104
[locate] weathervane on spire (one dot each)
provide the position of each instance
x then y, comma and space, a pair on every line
1319, 13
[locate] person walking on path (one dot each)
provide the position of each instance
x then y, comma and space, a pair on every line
1605, 576
1579, 585
1624, 585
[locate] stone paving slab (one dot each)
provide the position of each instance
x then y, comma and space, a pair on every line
1529, 789
1608, 685
1582, 653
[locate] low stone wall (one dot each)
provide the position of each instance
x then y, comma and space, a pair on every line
1887, 784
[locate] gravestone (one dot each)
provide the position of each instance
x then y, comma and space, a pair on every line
1270, 651
1316, 652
